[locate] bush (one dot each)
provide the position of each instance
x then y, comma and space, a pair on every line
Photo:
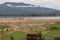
54, 28
57, 38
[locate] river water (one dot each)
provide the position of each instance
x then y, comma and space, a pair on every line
54, 17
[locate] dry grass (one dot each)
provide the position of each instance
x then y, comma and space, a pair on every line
23, 25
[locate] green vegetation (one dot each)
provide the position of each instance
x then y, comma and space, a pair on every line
3, 26
2, 31
18, 35
52, 31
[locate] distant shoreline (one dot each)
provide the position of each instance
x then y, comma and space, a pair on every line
52, 17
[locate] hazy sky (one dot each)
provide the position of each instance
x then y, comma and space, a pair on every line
45, 3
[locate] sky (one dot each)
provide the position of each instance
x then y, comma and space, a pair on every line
44, 3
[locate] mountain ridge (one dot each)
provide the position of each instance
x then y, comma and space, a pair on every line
17, 4
4, 10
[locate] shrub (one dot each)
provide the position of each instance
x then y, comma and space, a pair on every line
54, 28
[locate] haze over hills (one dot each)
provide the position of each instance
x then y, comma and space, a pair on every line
13, 8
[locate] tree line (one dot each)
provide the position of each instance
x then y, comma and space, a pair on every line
23, 14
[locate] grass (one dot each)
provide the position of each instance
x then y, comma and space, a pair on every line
51, 35
53, 31
16, 34
3, 26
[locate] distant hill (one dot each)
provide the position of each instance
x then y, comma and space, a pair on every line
12, 8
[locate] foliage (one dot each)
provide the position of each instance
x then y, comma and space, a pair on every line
3, 26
